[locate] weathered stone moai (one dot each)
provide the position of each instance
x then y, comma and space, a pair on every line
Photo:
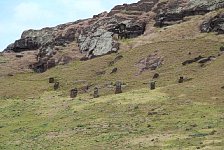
181, 80
51, 80
74, 93
96, 92
152, 85
56, 85
114, 71
118, 87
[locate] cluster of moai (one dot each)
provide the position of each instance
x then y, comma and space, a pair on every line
118, 86
73, 92
152, 84
56, 83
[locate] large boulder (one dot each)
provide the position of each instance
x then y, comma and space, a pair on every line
98, 43
23, 44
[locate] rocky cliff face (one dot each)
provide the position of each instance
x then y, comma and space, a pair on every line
173, 11
100, 35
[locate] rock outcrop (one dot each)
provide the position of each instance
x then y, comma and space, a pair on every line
151, 62
23, 44
98, 43
135, 8
215, 24
172, 12
129, 29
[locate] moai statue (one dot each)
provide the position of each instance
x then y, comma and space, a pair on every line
181, 80
155, 76
96, 92
74, 93
56, 85
51, 80
118, 87
152, 85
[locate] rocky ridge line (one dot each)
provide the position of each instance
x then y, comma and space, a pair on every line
99, 35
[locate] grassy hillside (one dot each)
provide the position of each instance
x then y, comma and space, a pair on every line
139, 119
174, 116
80, 74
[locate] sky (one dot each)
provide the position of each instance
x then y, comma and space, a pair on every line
19, 15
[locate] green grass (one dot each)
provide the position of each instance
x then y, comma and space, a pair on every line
3, 59
124, 121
